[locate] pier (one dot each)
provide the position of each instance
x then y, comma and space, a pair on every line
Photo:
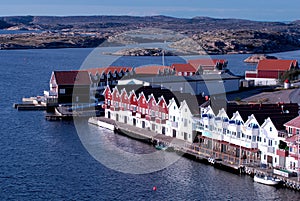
191, 151
28, 106
195, 151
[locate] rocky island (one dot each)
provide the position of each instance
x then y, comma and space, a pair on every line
257, 57
212, 36
143, 52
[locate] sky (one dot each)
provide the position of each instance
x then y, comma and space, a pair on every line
261, 10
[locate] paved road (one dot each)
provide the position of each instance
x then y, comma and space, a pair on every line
295, 95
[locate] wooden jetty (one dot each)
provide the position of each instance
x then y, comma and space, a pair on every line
29, 106
181, 147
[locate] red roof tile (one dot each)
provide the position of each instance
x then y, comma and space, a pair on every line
151, 70
72, 77
293, 123
183, 68
275, 64
206, 62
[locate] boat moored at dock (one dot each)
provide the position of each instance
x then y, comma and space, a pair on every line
267, 180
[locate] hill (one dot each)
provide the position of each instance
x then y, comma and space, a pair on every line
215, 36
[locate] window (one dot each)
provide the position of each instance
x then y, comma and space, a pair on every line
185, 122
270, 129
290, 130
62, 91
275, 160
270, 143
297, 131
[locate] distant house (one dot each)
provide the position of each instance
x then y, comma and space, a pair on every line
269, 71
70, 86
154, 70
101, 77
184, 69
208, 64
209, 84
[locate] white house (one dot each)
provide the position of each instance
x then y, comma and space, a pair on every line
268, 142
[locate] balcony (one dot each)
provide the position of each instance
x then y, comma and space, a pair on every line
252, 131
139, 115
282, 153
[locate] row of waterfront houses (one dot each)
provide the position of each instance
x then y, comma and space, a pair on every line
257, 133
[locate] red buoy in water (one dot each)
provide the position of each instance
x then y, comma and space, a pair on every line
154, 188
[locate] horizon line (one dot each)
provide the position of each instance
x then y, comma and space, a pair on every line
159, 15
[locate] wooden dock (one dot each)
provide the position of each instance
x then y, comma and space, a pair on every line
195, 152
179, 146
29, 106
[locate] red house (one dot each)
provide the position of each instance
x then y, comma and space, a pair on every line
70, 86
107, 97
125, 104
152, 107
115, 101
269, 71
208, 64
133, 103
142, 105
162, 111
184, 69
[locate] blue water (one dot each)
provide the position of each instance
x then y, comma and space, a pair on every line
41, 160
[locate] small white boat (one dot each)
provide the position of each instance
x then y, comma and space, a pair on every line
161, 147
266, 180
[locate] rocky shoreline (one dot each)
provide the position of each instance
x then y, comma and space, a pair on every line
47, 41
257, 57
208, 35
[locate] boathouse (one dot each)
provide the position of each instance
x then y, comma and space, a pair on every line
70, 87
270, 71
204, 65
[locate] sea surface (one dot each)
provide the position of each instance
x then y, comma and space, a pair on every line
42, 160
